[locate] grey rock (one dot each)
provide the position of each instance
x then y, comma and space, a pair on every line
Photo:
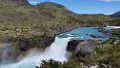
81, 48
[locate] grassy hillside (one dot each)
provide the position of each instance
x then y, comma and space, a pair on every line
18, 17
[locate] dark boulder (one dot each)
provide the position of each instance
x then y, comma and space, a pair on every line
72, 45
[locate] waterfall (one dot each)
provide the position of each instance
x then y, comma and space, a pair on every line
56, 51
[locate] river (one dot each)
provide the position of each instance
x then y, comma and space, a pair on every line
57, 50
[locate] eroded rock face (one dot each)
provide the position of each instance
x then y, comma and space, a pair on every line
7, 53
85, 48
82, 48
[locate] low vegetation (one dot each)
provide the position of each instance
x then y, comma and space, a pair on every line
56, 64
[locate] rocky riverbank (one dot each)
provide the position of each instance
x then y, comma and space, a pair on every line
114, 31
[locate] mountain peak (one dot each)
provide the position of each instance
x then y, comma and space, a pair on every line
48, 4
116, 14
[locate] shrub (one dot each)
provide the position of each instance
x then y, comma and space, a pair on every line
109, 54
56, 64
50, 64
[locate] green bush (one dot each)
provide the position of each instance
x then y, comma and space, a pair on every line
56, 64
50, 64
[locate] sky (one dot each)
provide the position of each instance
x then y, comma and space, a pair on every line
87, 6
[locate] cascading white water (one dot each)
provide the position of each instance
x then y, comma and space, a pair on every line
56, 51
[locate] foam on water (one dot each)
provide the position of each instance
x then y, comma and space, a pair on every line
112, 27
56, 51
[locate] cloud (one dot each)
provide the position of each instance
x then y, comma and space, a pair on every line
109, 0
33, 2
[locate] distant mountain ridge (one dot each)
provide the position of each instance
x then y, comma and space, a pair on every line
21, 10
117, 14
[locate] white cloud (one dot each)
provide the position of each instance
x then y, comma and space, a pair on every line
109, 0
33, 2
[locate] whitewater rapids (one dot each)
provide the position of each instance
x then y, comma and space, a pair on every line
113, 27
56, 51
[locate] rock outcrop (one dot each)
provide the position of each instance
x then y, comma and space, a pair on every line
81, 48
